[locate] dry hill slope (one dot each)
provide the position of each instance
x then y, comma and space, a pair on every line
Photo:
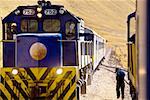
106, 17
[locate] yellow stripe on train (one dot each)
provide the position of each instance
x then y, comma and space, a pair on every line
45, 83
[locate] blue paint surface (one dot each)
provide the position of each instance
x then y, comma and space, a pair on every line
8, 54
53, 57
69, 54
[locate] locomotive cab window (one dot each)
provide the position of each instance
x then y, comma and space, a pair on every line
132, 30
70, 30
10, 31
51, 25
29, 25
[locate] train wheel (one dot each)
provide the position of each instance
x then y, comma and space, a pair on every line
89, 80
90, 75
78, 93
83, 88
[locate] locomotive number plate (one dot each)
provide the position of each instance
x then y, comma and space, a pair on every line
28, 12
50, 12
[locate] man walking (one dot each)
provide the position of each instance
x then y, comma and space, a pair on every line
120, 82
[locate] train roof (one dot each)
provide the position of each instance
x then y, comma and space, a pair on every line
45, 5
90, 31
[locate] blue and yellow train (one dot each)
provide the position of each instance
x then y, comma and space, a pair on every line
48, 53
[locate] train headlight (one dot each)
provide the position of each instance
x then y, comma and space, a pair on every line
62, 10
39, 15
39, 9
15, 71
59, 71
38, 51
17, 12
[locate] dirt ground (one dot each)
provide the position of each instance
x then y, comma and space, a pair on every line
104, 83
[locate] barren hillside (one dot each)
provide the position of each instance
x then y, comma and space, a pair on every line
106, 17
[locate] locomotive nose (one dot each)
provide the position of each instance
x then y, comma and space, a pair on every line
39, 50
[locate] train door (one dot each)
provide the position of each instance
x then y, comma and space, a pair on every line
9, 31
70, 45
70, 53
85, 53
132, 54
85, 63
95, 46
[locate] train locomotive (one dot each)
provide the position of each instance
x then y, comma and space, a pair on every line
48, 53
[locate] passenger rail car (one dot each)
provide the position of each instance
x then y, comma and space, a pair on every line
47, 53
98, 45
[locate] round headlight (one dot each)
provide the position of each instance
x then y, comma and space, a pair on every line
15, 71
13, 24
59, 71
39, 9
39, 15
38, 51
17, 12
62, 10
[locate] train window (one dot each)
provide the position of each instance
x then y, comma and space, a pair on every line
96, 45
89, 51
24, 26
29, 25
99, 43
51, 25
82, 48
14, 28
132, 26
70, 30
86, 48
10, 31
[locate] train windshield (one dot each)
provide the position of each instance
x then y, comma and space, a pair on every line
70, 30
132, 26
51, 25
10, 31
29, 25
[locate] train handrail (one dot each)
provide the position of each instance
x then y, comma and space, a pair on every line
7, 40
